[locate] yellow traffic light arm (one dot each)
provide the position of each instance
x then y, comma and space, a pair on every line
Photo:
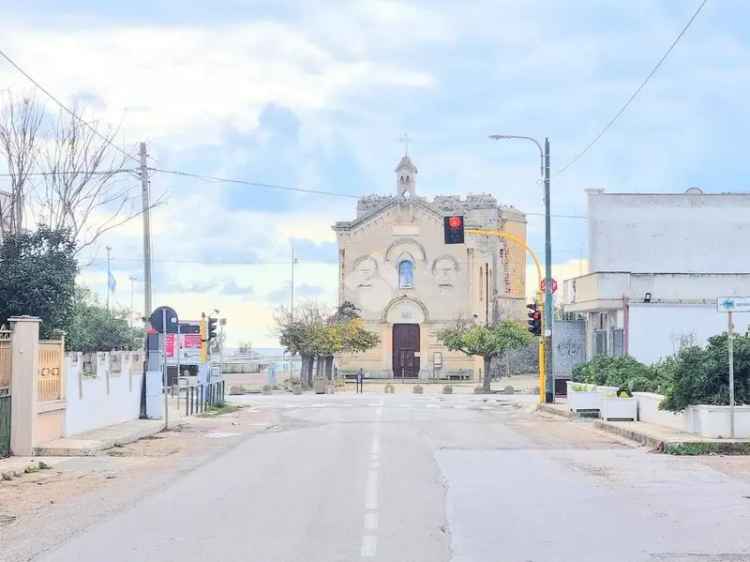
513, 238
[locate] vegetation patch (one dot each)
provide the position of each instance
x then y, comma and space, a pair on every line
220, 410
706, 448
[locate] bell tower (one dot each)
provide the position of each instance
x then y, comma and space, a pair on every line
406, 178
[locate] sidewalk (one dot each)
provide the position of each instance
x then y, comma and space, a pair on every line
661, 438
90, 443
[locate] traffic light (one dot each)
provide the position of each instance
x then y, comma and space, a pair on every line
212, 328
453, 228
535, 319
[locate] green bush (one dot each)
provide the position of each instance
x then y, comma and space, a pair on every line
626, 373
701, 375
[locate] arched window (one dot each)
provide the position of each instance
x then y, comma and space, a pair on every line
405, 275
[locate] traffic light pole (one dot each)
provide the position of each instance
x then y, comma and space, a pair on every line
548, 304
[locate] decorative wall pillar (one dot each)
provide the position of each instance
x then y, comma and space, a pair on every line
24, 369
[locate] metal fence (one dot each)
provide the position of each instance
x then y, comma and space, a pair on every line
5, 358
49, 383
4, 424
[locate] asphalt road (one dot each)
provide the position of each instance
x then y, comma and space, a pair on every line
404, 478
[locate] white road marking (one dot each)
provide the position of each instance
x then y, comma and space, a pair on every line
371, 490
432, 406
221, 434
371, 521
369, 546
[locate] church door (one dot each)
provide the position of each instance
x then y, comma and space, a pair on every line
405, 348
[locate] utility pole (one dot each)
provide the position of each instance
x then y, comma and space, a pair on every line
545, 355
109, 275
146, 232
548, 305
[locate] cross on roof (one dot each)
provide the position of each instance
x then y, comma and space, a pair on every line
404, 138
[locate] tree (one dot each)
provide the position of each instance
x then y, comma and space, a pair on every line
486, 341
84, 187
37, 277
314, 333
94, 328
301, 335
20, 124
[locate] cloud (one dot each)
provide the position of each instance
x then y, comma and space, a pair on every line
232, 288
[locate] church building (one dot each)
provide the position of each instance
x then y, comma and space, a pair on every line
408, 284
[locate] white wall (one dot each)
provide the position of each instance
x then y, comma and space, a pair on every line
669, 233
105, 399
659, 330
649, 412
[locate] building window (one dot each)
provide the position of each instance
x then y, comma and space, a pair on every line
406, 275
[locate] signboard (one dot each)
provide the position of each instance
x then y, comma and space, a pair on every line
733, 304
543, 284
190, 344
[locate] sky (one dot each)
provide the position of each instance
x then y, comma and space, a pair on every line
317, 94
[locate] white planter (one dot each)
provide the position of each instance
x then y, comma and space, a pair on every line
579, 400
614, 408
714, 421
649, 412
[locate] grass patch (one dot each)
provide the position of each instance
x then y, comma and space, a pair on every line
694, 449
220, 410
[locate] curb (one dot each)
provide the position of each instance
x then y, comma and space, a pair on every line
677, 447
96, 447
636, 436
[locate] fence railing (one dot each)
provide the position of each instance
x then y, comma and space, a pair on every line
50, 376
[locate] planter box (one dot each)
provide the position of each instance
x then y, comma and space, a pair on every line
584, 400
614, 408
714, 421
320, 386
649, 412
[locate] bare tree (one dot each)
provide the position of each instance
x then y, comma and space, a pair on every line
85, 187
20, 124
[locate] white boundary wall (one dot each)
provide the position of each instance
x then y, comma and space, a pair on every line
102, 389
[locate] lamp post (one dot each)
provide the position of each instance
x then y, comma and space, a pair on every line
548, 311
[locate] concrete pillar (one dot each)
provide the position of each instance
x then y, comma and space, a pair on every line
25, 345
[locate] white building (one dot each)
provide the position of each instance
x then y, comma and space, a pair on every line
658, 262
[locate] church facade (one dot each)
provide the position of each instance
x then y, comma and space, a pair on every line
408, 284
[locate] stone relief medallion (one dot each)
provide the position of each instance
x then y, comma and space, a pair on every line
365, 271
445, 272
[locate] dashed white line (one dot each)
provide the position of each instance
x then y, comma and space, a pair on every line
369, 546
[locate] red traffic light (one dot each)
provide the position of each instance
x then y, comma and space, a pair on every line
453, 229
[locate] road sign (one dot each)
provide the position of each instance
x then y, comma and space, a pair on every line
543, 284
733, 304
159, 315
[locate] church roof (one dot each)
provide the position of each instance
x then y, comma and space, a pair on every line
406, 163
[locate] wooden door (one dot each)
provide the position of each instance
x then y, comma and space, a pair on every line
405, 349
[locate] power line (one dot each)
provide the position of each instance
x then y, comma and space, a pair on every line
635, 93
81, 172
66, 108
213, 262
217, 179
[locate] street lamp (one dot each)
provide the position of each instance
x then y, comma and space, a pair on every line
548, 312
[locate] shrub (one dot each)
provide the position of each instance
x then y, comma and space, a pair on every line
447, 389
626, 373
418, 389
390, 389
701, 376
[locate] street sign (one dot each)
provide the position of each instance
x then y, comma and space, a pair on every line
543, 284
733, 304
159, 315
